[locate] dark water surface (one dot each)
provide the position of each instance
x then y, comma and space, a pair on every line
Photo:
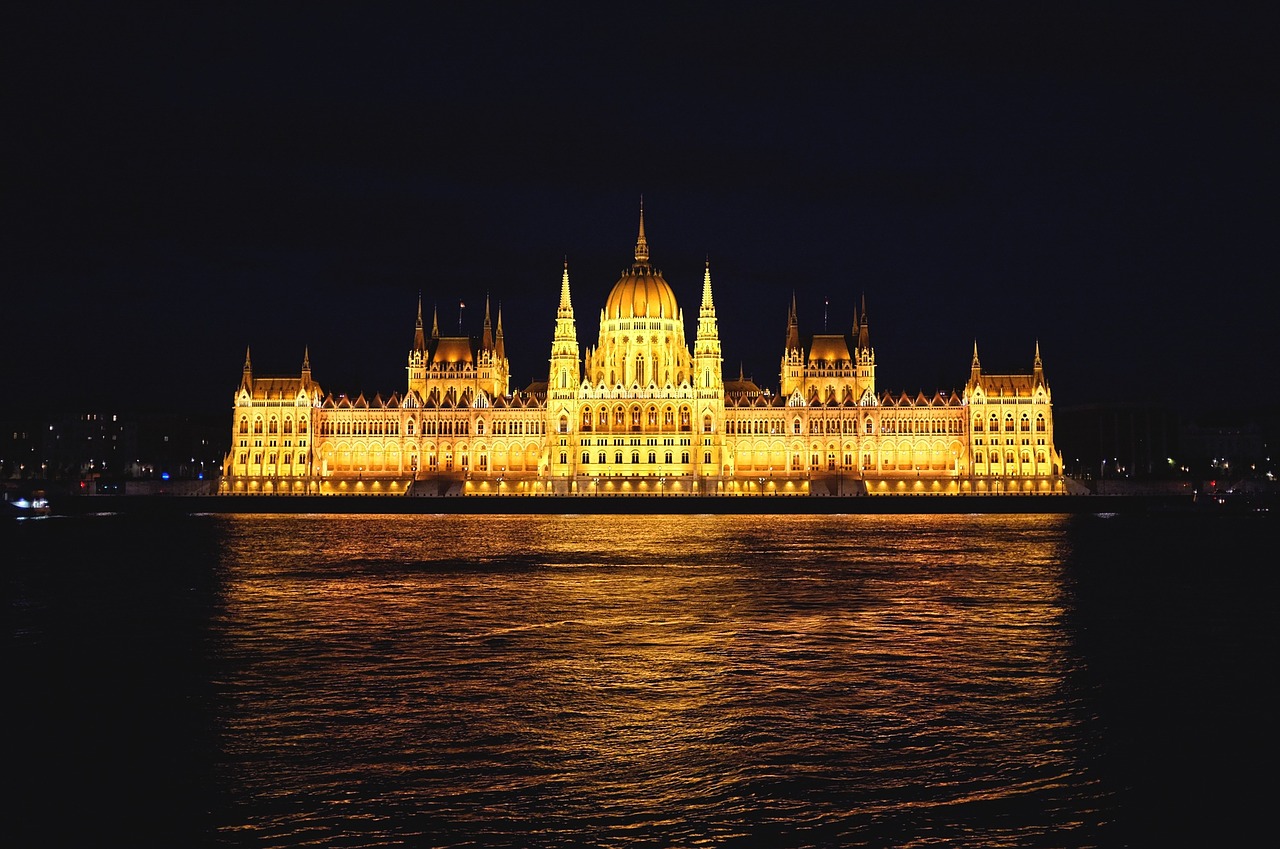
626, 681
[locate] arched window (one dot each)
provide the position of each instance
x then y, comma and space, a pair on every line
564, 424
869, 424
244, 425
1008, 423
635, 456
1040, 423
706, 424
1025, 424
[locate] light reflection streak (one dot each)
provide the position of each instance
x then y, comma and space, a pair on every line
700, 674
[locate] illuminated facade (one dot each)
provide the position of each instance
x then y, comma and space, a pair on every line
642, 413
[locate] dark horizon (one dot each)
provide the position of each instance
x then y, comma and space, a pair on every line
194, 183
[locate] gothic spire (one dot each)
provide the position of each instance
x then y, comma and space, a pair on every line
419, 343
863, 327
793, 326
486, 342
566, 305
707, 303
501, 348
642, 246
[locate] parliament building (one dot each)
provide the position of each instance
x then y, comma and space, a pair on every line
641, 412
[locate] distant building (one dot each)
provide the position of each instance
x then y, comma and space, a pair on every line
643, 412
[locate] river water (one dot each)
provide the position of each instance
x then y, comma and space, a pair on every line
640, 681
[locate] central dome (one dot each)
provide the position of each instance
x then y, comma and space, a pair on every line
641, 291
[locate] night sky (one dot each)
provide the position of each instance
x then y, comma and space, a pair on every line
183, 185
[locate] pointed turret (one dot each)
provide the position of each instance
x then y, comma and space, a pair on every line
642, 246
306, 367
1038, 367
975, 367
501, 347
791, 376
565, 309
246, 379
793, 326
486, 341
708, 305
435, 322
708, 365
419, 342
863, 327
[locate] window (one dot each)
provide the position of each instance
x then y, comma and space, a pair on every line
706, 457
635, 457
653, 456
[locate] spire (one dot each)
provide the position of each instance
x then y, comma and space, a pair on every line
419, 343
306, 359
486, 342
501, 348
566, 305
435, 322
707, 303
1038, 367
246, 379
642, 246
862, 326
793, 326
1038, 364
975, 368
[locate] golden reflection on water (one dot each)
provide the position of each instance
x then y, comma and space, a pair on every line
650, 667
